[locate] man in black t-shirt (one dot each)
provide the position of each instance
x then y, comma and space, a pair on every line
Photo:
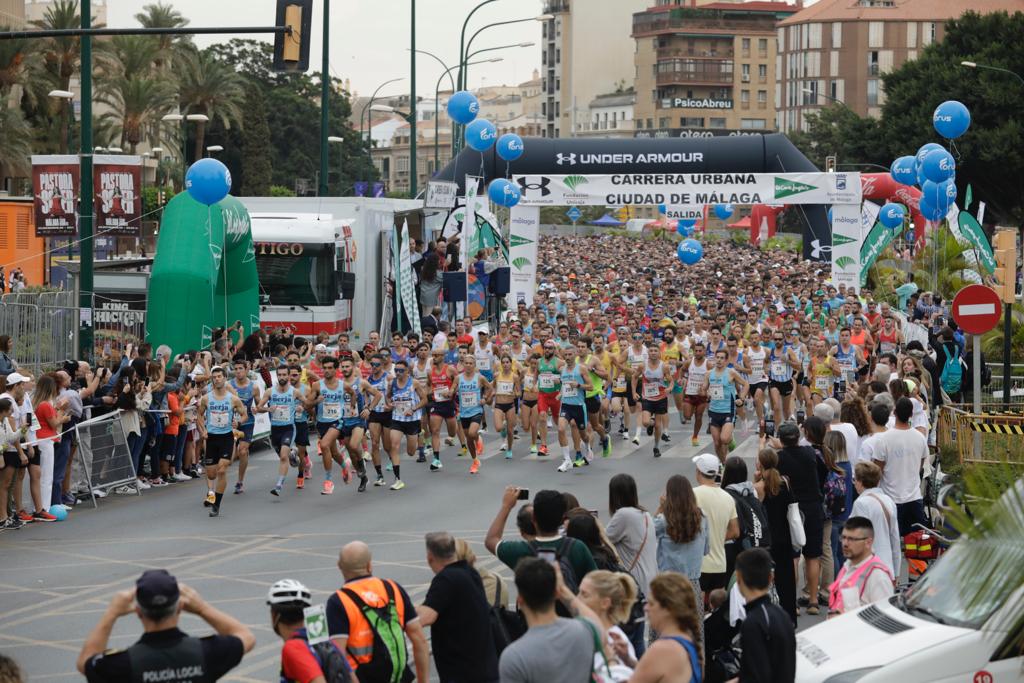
164, 653
457, 612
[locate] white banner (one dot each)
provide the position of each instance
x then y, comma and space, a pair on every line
684, 213
407, 288
441, 194
847, 236
524, 230
690, 189
469, 222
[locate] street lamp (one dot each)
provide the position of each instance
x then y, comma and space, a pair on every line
182, 119
337, 140
213, 149
489, 49
65, 95
437, 94
809, 91
975, 65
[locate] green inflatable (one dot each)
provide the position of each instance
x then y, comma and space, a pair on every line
204, 274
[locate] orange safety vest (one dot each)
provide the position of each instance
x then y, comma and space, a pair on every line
359, 646
857, 579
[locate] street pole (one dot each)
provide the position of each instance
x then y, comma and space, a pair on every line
976, 391
325, 91
413, 166
1007, 339
85, 279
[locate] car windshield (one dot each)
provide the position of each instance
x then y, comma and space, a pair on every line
299, 275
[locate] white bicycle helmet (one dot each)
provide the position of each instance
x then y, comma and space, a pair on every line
289, 592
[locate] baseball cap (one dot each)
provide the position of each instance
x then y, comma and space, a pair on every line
155, 589
320, 347
16, 378
707, 464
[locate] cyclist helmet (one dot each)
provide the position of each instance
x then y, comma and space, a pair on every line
289, 592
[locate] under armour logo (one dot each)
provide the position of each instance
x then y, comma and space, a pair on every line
542, 185
569, 159
817, 250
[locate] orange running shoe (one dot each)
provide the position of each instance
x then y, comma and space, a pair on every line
479, 446
300, 483
475, 467
328, 488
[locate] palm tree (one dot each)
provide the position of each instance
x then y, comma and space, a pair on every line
138, 102
18, 60
15, 139
209, 86
159, 15
61, 55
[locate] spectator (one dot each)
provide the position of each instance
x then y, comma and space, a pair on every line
682, 530
735, 483
352, 632
583, 526
524, 522
864, 577
7, 364
720, 510
13, 458
905, 291
158, 601
494, 585
431, 280
835, 445
767, 637
853, 423
877, 507
949, 358
900, 453
300, 661
9, 671
49, 411
776, 497
431, 320
631, 531
458, 614
880, 411
672, 613
610, 595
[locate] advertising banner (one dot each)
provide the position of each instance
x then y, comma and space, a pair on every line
878, 237
846, 241
441, 194
469, 221
55, 193
647, 189
117, 181
524, 230
970, 228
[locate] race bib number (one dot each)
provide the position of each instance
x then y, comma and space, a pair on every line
823, 384
441, 394
693, 385
218, 419
505, 387
569, 391
280, 414
402, 407
547, 381
331, 411
484, 363
529, 382
469, 399
778, 368
757, 368
716, 392
620, 384
651, 390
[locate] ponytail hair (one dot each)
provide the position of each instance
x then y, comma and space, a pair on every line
770, 475
619, 588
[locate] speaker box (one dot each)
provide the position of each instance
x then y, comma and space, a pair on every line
348, 286
501, 281
454, 286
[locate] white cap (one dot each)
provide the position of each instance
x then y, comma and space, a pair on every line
320, 347
707, 464
16, 378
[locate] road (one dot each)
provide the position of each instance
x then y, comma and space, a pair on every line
58, 578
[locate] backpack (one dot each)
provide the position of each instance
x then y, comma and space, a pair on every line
389, 660
564, 563
754, 531
507, 626
952, 372
333, 664
835, 495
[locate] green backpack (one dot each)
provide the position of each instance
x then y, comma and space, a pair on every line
389, 661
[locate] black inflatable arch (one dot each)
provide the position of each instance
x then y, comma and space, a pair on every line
771, 153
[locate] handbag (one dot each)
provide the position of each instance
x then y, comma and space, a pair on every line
796, 526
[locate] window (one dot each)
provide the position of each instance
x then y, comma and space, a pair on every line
752, 124
814, 36
911, 54
308, 279
745, 99
780, 38
778, 94
762, 47
762, 98
873, 63
558, 109
691, 121
876, 33
837, 35
558, 55
927, 33
650, 123
745, 46
746, 73
663, 122
911, 34
872, 92
833, 62
543, 108
558, 83
402, 165
762, 73
884, 61
716, 122
809, 93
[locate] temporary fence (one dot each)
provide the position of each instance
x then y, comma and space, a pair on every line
103, 460
998, 430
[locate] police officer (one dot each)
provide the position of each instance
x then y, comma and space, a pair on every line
164, 653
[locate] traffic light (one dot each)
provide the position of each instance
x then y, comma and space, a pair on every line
1005, 243
291, 50
830, 164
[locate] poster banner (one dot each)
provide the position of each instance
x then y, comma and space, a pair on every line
690, 189
469, 221
878, 237
55, 194
117, 181
524, 230
970, 228
847, 236
407, 288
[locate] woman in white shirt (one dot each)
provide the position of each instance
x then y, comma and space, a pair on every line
611, 595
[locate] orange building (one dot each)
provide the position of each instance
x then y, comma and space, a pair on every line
19, 246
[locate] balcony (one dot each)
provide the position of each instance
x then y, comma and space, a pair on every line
696, 53
709, 77
872, 69
697, 21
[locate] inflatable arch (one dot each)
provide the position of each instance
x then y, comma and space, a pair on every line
768, 153
204, 274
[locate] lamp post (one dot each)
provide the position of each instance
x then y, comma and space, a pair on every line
414, 167
66, 95
975, 65
213, 149
362, 114
183, 119
86, 199
437, 92
489, 49
827, 97
463, 80
337, 140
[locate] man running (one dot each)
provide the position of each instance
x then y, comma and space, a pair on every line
573, 382
406, 399
594, 396
301, 441
634, 357
783, 363
248, 393
280, 402
474, 392
328, 397
850, 358
695, 398
219, 412
380, 418
360, 398
549, 367
442, 404
420, 370
650, 387
722, 385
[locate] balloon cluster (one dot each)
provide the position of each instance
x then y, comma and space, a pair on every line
932, 168
463, 108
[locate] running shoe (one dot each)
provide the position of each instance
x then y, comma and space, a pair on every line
142, 484
158, 483
387, 466
475, 467
181, 476
99, 493
276, 491
398, 485
666, 438
732, 445
435, 465
533, 449
606, 445
293, 458
543, 449
650, 429
239, 488
43, 516
300, 483
215, 511
380, 482
579, 461
636, 439
463, 452
695, 442
421, 457
565, 466
363, 479
508, 453
69, 499
479, 446
125, 490
10, 524
211, 498
625, 434
328, 488
657, 452
449, 441
590, 454
26, 517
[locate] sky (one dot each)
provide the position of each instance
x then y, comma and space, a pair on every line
369, 38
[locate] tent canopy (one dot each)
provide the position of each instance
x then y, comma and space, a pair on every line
607, 221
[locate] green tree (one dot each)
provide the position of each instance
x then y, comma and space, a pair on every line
15, 139
169, 47
256, 146
837, 130
210, 86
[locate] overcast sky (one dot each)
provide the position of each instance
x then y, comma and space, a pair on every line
369, 38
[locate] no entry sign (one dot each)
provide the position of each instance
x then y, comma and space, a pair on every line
977, 309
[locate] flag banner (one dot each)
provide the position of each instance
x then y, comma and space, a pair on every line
878, 238
524, 229
378, 190
117, 182
468, 221
55, 193
360, 187
970, 228
846, 241
407, 288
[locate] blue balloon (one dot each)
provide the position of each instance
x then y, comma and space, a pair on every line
929, 210
463, 107
923, 152
688, 222
940, 195
510, 147
951, 119
662, 209
723, 211
690, 251
684, 228
481, 134
512, 195
903, 171
921, 178
892, 215
208, 181
938, 165
59, 511
503, 192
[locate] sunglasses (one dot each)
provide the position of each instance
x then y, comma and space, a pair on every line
399, 371
375, 365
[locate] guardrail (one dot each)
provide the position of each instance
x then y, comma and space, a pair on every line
999, 430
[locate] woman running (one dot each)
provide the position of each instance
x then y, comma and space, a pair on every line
506, 388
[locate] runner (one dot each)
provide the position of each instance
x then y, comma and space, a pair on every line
572, 410
890, 337
548, 405
507, 387
695, 398
420, 370
301, 425
824, 372
249, 394
380, 419
620, 391
219, 412
720, 386
406, 400
280, 402
597, 374
328, 396
850, 358
655, 380
354, 414
782, 366
474, 392
634, 358
442, 404
528, 413
673, 354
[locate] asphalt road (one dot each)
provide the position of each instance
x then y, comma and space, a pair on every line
57, 578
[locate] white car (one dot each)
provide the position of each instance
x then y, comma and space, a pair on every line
925, 635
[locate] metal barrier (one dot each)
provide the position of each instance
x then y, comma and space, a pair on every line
103, 460
1000, 432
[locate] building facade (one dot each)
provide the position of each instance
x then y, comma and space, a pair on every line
708, 70
586, 50
838, 50
610, 116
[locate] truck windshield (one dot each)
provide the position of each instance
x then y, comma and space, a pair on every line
297, 274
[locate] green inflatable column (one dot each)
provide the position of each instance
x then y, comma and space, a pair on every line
204, 273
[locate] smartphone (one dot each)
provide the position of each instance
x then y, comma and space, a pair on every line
547, 555
593, 513
524, 494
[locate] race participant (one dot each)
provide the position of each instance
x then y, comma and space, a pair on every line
280, 402
737, 360
861, 337
549, 367
823, 373
592, 400
672, 353
219, 412
801, 381
328, 397
721, 387
634, 357
506, 390
442, 404
406, 399
420, 369
354, 414
528, 414
890, 337
380, 419
301, 425
695, 399
572, 411
620, 391
655, 379
849, 358
782, 365
483, 352
248, 393
398, 349
474, 392
519, 351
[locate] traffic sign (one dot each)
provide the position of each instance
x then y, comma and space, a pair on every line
574, 214
977, 309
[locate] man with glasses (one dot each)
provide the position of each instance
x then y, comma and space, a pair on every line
864, 577
782, 364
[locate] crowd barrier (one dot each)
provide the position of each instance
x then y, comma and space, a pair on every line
999, 430
103, 460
